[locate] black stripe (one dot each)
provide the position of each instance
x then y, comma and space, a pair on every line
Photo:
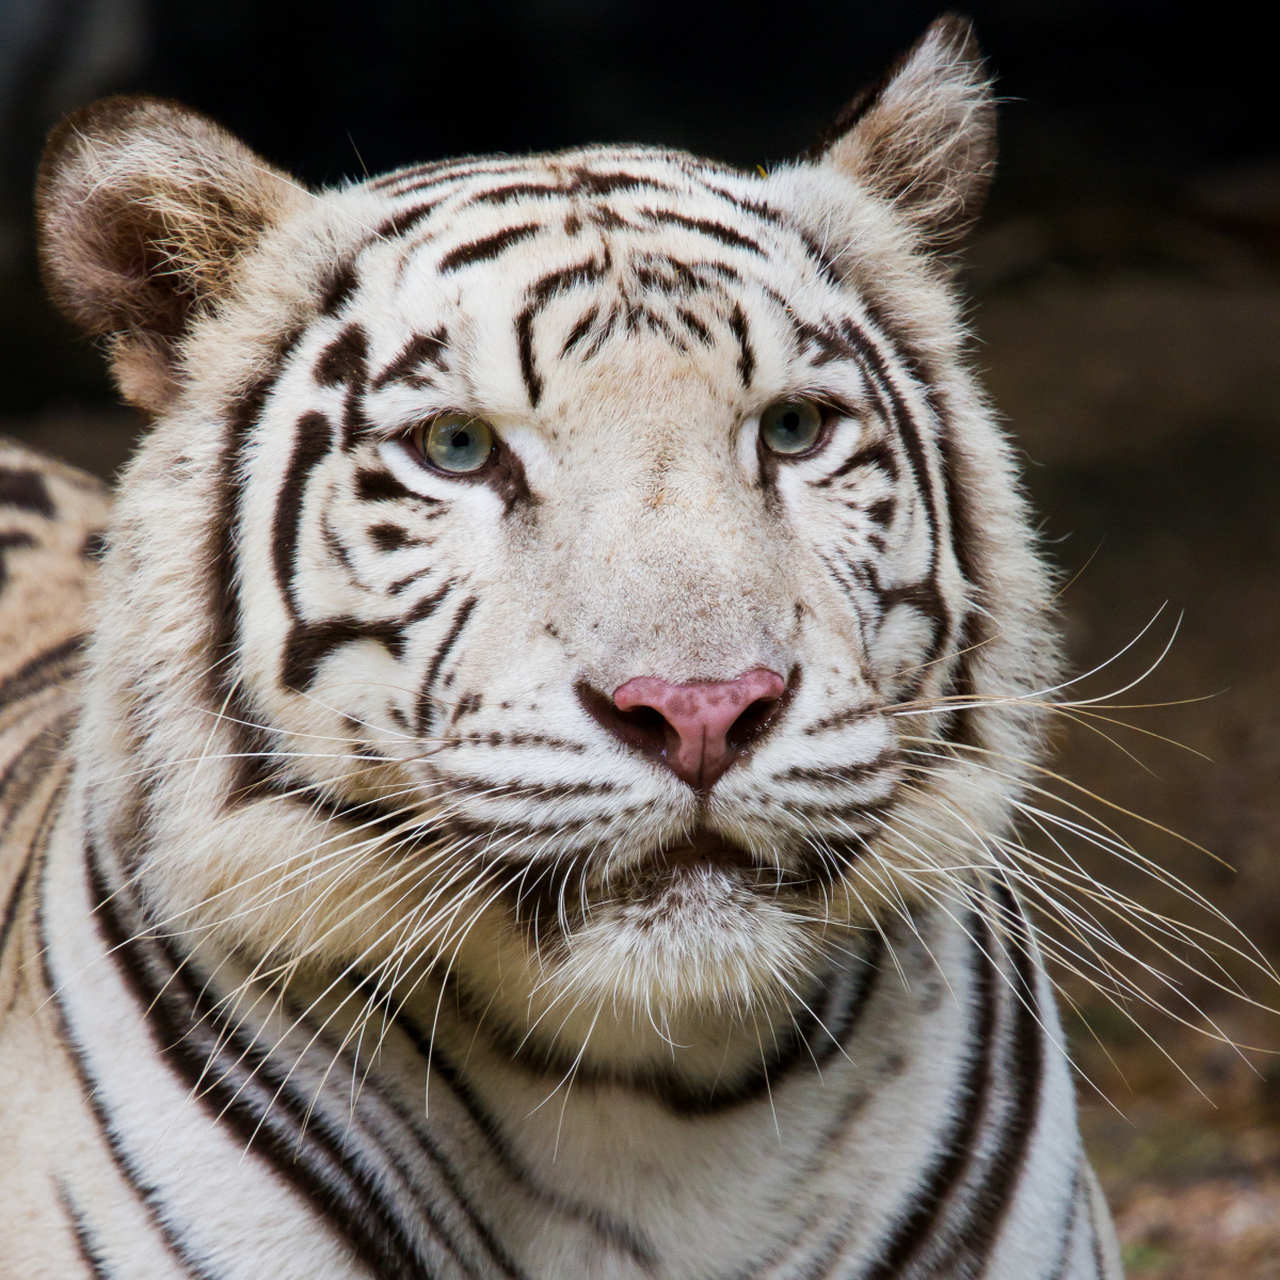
147, 1197
404, 221
487, 248
310, 643
13, 541
250, 1094
513, 191
804, 1046
564, 279
990, 1204
833, 774
879, 376
390, 537
580, 330
694, 325
878, 454
418, 350
956, 1147
25, 489
39, 673
247, 757
22, 777
337, 287
524, 345
746, 357
86, 1245
425, 707
612, 1232
1066, 1237
345, 359
704, 226
382, 486
313, 441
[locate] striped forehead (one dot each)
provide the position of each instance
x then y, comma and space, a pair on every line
576, 250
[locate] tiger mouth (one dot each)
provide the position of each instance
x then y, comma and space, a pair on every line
706, 849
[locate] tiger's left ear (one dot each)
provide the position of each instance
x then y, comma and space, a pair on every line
924, 136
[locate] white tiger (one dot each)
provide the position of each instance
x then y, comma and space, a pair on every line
531, 809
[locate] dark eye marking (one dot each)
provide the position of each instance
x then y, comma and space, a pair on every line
488, 247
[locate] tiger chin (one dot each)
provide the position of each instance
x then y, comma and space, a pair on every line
515, 782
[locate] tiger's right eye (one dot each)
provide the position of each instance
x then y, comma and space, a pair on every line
454, 442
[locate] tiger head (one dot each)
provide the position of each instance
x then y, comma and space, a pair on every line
593, 576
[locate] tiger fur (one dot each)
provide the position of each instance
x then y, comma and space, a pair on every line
353, 925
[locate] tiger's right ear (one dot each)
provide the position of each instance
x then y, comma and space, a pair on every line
145, 209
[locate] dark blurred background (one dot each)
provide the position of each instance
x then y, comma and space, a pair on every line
1125, 285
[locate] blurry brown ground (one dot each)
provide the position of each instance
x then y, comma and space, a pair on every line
1136, 354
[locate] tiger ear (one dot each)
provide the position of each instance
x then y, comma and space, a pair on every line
144, 210
924, 136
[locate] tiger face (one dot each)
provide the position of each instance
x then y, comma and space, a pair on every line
593, 575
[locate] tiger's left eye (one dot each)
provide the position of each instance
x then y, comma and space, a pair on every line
791, 426
455, 442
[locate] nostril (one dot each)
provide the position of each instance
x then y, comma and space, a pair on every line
648, 725
642, 727
753, 723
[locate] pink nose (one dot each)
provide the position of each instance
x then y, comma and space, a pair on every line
702, 729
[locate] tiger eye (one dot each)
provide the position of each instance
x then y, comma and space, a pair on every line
791, 426
455, 442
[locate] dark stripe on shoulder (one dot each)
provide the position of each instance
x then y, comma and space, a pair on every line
1024, 1069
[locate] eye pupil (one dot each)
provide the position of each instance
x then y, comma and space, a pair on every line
791, 427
